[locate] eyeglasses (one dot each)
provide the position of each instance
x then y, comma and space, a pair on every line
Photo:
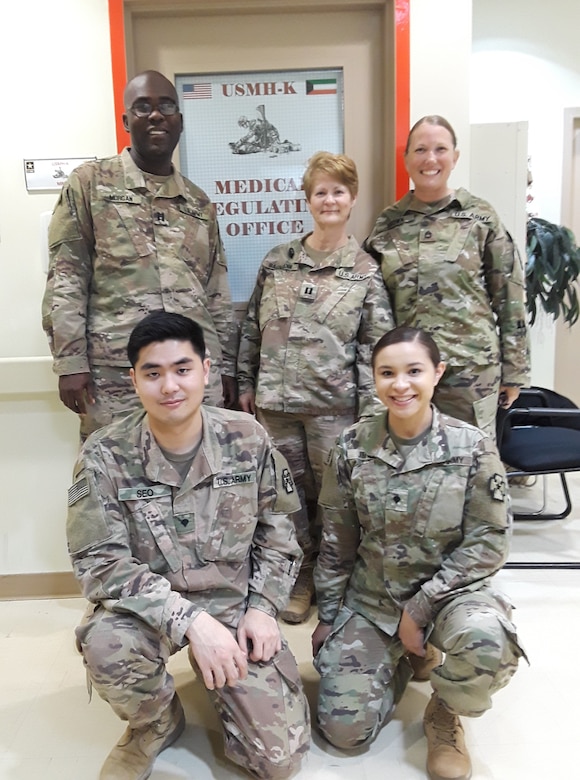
143, 108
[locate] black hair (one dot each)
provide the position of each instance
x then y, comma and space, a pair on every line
162, 326
432, 119
405, 333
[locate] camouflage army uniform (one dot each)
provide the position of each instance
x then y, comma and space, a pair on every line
426, 534
152, 553
119, 250
452, 269
305, 350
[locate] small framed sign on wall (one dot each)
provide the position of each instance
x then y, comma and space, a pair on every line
46, 174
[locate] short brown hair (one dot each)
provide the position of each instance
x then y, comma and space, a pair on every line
338, 166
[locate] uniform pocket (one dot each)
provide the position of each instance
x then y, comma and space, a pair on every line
158, 550
232, 533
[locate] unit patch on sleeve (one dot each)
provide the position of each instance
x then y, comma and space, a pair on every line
287, 481
497, 487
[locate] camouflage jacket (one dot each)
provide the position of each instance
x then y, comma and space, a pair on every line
142, 542
415, 532
117, 252
452, 269
309, 330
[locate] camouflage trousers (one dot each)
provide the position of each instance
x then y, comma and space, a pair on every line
471, 394
364, 671
265, 718
115, 397
305, 441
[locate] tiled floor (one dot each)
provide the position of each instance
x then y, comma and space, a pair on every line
50, 731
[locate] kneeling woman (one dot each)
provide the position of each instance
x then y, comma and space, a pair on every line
416, 520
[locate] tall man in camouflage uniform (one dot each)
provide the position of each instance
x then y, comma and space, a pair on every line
128, 235
179, 534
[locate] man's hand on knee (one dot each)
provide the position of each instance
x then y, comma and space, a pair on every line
218, 655
258, 632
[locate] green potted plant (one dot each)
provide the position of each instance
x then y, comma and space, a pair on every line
553, 265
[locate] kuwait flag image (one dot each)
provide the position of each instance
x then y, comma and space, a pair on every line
321, 87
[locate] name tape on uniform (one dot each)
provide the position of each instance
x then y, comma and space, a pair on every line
227, 480
143, 491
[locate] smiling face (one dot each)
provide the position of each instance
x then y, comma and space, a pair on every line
155, 136
330, 202
429, 160
405, 380
170, 379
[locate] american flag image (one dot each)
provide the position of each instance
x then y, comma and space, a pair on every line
196, 91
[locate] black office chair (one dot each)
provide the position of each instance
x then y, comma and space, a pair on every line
537, 436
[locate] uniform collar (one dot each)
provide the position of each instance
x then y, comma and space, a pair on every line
207, 462
341, 258
433, 447
135, 179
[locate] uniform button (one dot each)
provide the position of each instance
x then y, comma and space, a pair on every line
428, 234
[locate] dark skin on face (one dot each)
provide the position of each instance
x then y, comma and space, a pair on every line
154, 137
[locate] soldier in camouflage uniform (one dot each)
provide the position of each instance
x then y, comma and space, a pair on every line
416, 520
179, 535
452, 269
318, 308
129, 235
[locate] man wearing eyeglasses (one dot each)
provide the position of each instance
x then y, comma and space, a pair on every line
130, 234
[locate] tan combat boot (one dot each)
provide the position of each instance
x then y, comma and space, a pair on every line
298, 607
133, 756
423, 666
447, 756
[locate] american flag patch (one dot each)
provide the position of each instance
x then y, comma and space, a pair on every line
79, 490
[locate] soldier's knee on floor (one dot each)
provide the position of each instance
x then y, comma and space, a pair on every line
347, 736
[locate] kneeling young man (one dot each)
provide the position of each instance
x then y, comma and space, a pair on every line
179, 535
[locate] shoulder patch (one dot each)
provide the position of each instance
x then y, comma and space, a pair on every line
497, 487
287, 481
79, 490
287, 500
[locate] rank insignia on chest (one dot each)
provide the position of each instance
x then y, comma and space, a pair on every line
397, 500
497, 487
308, 291
160, 219
287, 481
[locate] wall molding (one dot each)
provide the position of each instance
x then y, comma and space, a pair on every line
49, 585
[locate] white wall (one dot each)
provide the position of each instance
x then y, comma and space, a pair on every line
57, 90
525, 67
440, 67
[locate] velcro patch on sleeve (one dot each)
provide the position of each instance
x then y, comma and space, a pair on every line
79, 490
